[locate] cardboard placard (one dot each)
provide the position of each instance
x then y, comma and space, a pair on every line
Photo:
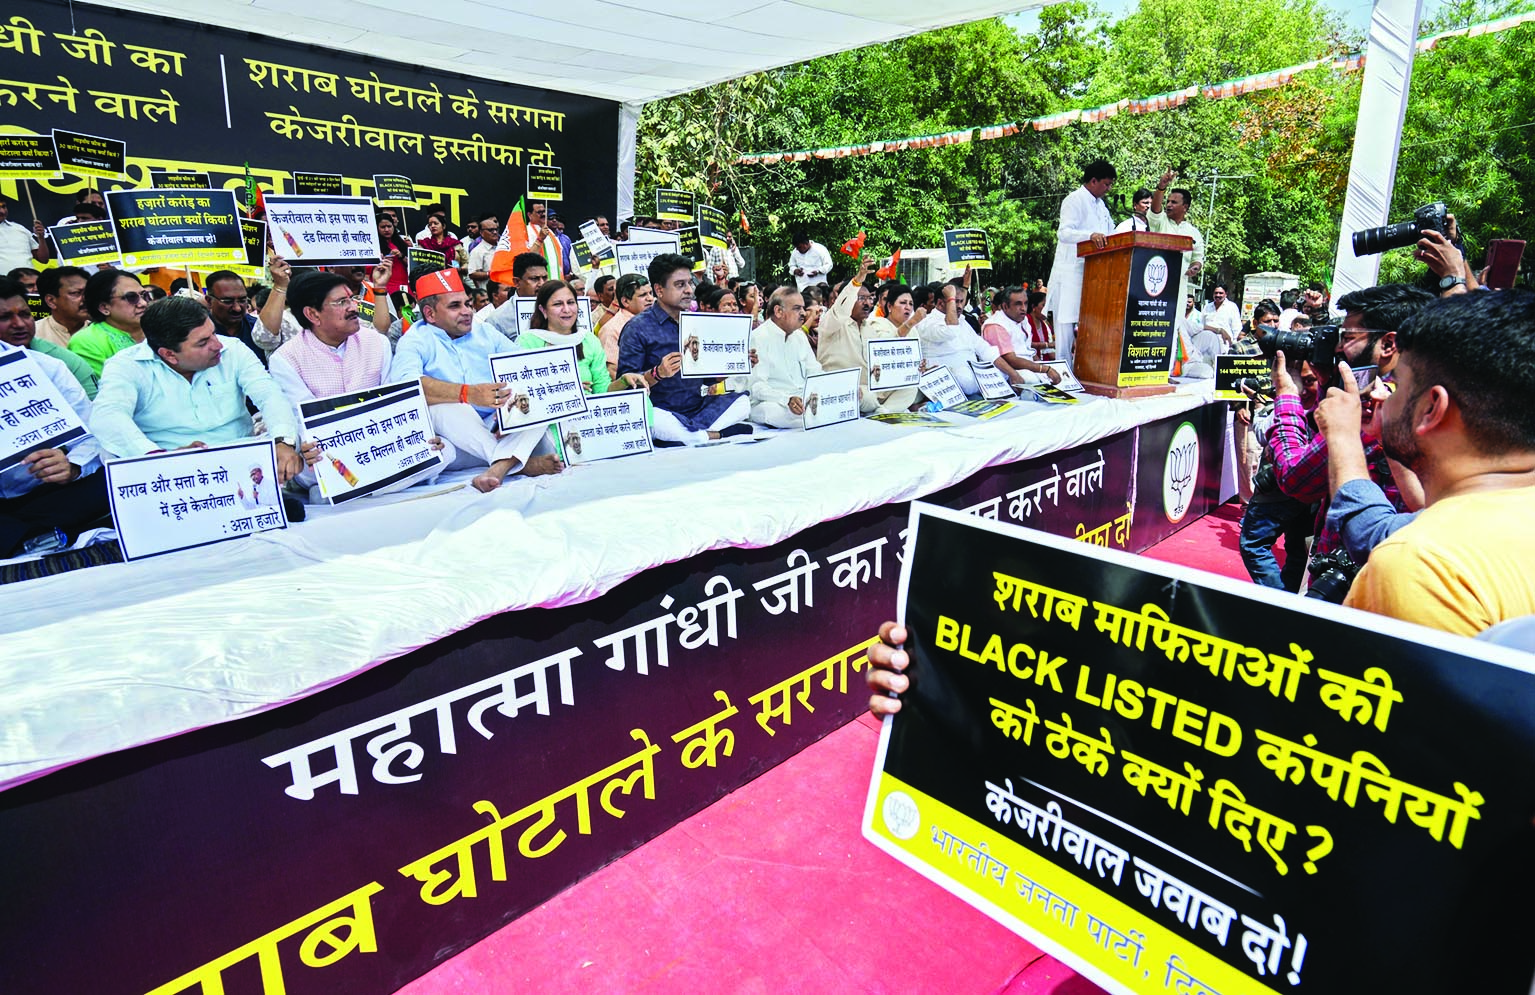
993, 382
323, 231
166, 179
968, 247
1069, 379
176, 227
713, 226
714, 345
545, 183
393, 190
38, 307
614, 426
370, 439
90, 155
635, 257
28, 157
831, 398
1230, 368
675, 205
319, 184
938, 384
166, 502
33, 413
88, 243
417, 256
546, 386
893, 363
689, 245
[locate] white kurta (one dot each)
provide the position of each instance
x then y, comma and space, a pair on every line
1162, 223
955, 346
815, 263
783, 363
1082, 214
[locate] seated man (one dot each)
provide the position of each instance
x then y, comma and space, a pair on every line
450, 355
186, 387
633, 294
1005, 331
229, 305
63, 291
784, 360
530, 271
333, 353
689, 411
19, 328
55, 488
847, 327
947, 340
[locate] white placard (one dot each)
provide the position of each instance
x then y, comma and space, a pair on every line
651, 236
314, 230
893, 363
993, 382
546, 385
527, 305
831, 398
614, 426
33, 413
370, 439
194, 497
635, 257
714, 345
1069, 379
938, 384
599, 243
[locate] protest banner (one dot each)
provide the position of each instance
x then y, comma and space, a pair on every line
938, 384
1193, 786
993, 382
1150, 314
689, 246
319, 184
981, 410
635, 257
615, 425
323, 231
88, 243
194, 497
89, 155
714, 345
365, 311
417, 256
1231, 368
33, 413
525, 306
370, 440
968, 247
598, 244
831, 398
640, 235
167, 179
176, 227
675, 205
713, 226
893, 363
393, 190
581, 252
915, 419
253, 234
38, 307
1069, 379
1050, 394
28, 157
546, 385
545, 183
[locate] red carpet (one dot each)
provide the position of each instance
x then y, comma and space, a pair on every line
773, 891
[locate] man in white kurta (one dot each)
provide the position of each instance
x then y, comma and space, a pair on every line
809, 262
784, 360
1084, 217
948, 340
1176, 222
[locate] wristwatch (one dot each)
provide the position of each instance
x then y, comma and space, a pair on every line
283, 440
1452, 281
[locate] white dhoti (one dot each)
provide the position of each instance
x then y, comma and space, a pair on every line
1066, 342
475, 440
668, 428
775, 415
895, 401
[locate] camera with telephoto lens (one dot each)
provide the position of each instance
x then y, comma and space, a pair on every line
1334, 572
1429, 217
1317, 346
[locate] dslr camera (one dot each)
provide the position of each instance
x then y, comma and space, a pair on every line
1316, 345
1429, 217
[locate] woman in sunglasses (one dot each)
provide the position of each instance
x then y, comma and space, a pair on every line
114, 303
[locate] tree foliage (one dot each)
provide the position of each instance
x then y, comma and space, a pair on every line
1277, 161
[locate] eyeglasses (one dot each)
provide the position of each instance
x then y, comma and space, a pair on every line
343, 302
232, 301
133, 297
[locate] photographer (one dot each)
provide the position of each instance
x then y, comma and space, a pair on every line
1366, 337
1460, 419
1271, 514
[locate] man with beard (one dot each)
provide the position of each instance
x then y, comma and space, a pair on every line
1459, 419
1367, 336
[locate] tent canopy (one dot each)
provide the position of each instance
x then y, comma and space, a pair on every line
626, 50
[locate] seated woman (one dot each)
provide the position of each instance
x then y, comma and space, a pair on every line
1041, 335
114, 302
554, 324
438, 240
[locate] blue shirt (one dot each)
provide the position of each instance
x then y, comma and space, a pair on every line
1364, 517
648, 338
144, 405
428, 351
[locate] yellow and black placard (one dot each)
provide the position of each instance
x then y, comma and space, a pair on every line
28, 157
89, 243
323, 184
968, 247
545, 183
90, 155
393, 190
38, 306
688, 244
712, 226
176, 227
1181, 783
165, 179
675, 205
1230, 369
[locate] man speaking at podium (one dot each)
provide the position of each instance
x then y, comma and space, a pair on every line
1083, 217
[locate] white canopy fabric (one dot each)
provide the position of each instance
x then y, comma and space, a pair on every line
632, 51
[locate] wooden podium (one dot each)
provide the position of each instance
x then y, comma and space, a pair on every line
1129, 313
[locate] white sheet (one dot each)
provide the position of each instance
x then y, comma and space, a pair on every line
114, 656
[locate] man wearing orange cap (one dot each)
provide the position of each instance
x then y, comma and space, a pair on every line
450, 354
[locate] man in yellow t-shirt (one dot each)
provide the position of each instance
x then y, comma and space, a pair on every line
1461, 420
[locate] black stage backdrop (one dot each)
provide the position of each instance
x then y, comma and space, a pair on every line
188, 96
214, 849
